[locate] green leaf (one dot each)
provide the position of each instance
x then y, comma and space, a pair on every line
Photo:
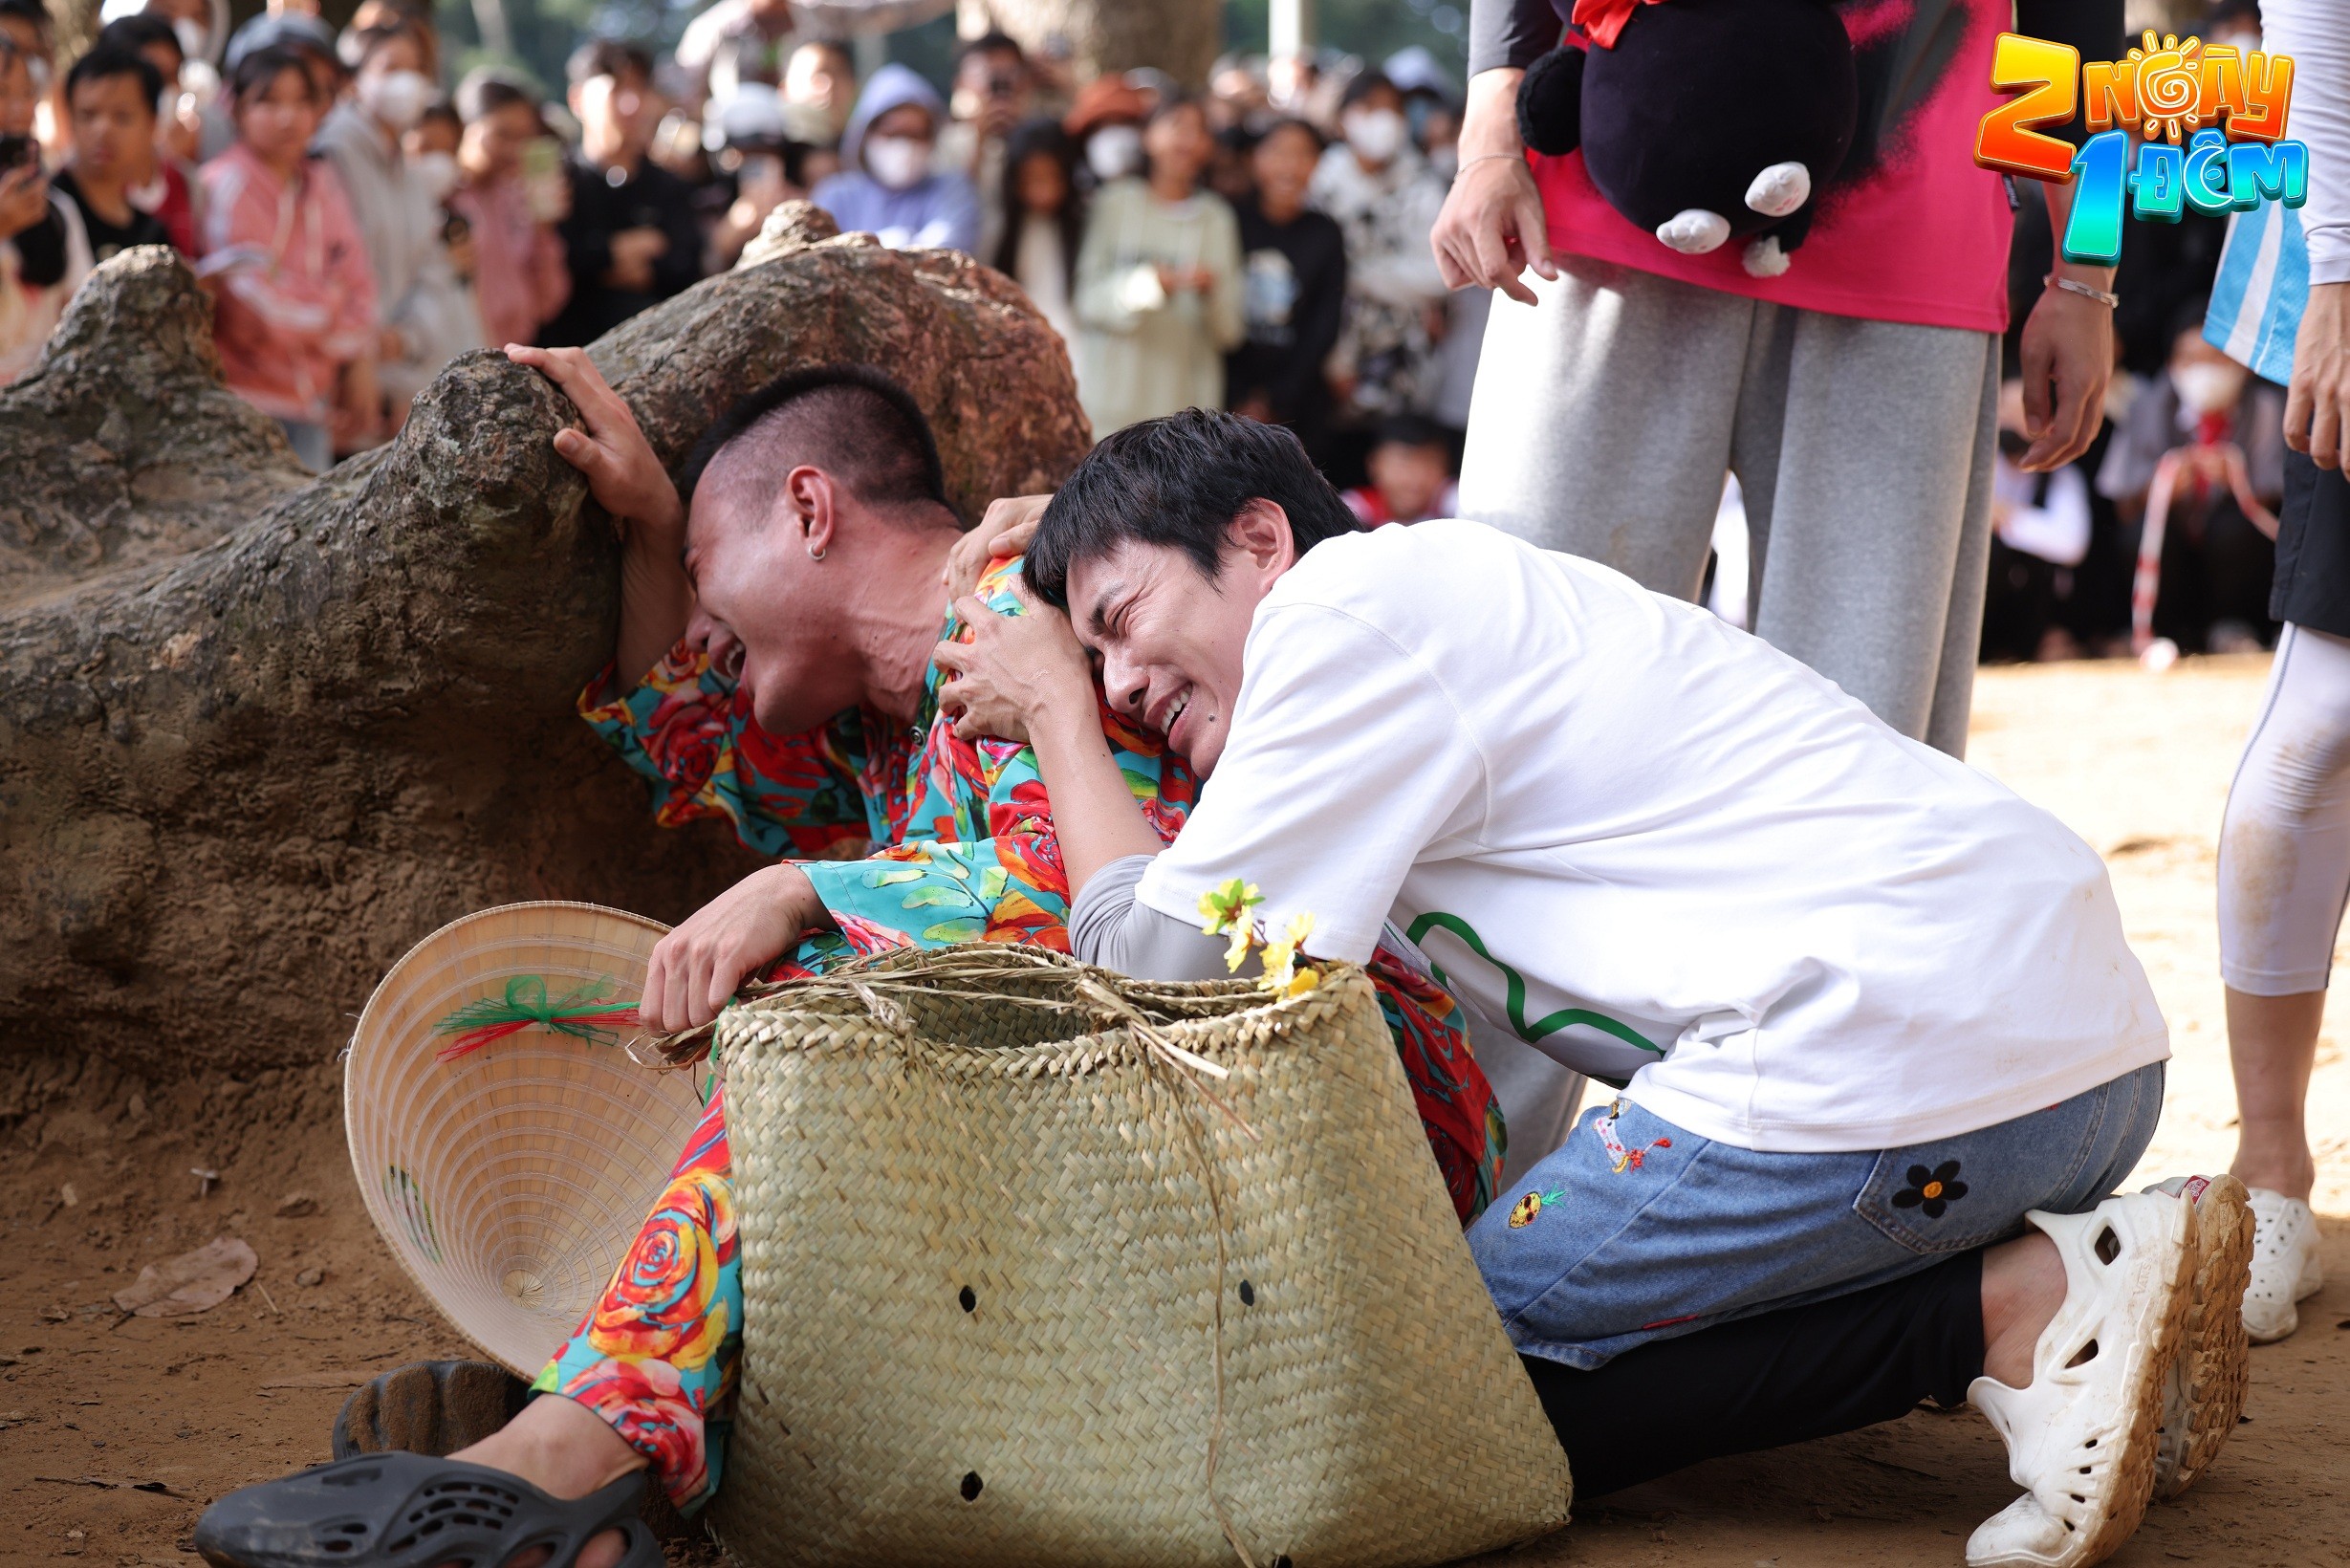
895, 875
993, 882
955, 931
933, 894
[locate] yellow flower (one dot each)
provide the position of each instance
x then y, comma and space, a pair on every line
1283, 976
1226, 910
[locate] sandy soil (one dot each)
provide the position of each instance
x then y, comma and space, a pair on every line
113, 1432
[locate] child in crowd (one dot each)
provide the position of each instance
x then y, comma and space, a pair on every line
1411, 474
298, 304
520, 279
110, 99
1159, 282
166, 185
1046, 223
1296, 290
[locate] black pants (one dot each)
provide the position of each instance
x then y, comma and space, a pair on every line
1766, 1382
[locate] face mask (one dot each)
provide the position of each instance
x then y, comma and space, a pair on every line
193, 36
396, 98
1114, 151
897, 162
1376, 135
2207, 388
436, 172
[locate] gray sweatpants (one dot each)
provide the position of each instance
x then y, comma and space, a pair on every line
1605, 417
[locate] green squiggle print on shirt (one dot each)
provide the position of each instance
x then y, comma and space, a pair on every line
1563, 1018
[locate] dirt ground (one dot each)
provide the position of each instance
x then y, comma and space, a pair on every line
115, 1432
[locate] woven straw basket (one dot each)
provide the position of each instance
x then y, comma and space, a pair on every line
1019, 1292
511, 1180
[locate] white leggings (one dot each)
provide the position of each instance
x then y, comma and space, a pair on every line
2284, 849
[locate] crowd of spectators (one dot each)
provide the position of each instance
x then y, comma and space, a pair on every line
361, 219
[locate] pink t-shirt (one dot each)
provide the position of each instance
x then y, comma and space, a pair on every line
1920, 235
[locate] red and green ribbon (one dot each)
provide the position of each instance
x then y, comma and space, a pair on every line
580, 1013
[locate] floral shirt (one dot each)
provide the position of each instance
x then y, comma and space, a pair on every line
914, 838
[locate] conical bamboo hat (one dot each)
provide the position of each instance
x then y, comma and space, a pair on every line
510, 1180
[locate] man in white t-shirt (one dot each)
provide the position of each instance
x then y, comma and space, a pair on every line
1874, 1016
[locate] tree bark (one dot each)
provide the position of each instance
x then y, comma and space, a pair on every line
237, 782
1181, 37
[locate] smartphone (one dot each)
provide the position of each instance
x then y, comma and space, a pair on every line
542, 156
15, 151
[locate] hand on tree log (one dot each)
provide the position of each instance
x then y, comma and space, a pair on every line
260, 735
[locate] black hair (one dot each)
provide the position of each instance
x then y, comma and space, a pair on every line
356, 44
1174, 102
31, 10
442, 109
1364, 86
1041, 137
257, 70
1414, 430
1178, 480
485, 89
1291, 122
2186, 316
612, 57
875, 436
990, 43
143, 31
110, 61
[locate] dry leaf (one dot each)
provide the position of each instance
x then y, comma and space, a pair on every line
192, 1283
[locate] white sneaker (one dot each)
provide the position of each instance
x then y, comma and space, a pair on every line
2204, 1395
2082, 1438
2285, 1266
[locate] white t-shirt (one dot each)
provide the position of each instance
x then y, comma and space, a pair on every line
1653, 845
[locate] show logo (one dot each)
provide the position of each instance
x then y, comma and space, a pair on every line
2209, 123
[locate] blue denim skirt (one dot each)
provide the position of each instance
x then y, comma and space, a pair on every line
1637, 1230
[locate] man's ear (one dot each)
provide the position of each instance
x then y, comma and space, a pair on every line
1260, 533
811, 497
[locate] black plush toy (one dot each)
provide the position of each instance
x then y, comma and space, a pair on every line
1701, 120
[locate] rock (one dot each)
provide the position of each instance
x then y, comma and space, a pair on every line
295, 1206
236, 783
309, 1277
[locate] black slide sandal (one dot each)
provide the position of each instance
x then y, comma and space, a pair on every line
410, 1510
431, 1407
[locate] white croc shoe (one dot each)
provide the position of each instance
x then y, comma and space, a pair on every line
2204, 1394
2082, 1438
2285, 1266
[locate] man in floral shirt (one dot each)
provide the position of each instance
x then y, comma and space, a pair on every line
791, 690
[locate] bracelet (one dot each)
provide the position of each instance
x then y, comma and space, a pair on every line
1489, 157
2111, 301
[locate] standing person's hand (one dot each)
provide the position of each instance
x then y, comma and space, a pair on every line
1493, 227
2317, 400
1003, 532
2067, 361
23, 199
634, 250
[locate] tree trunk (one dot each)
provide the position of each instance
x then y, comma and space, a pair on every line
1181, 37
237, 782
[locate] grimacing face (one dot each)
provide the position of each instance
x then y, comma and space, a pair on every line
765, 610
1169, 638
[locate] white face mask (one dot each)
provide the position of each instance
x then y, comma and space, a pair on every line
897, 162
396, 98
2207, 388
436, 172
1376, 135
1114, 151
193, 36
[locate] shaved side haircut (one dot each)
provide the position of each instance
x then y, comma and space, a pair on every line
851, 421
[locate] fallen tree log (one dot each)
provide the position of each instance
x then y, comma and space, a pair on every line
237, 782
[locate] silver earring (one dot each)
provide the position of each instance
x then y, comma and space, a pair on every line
816, 553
